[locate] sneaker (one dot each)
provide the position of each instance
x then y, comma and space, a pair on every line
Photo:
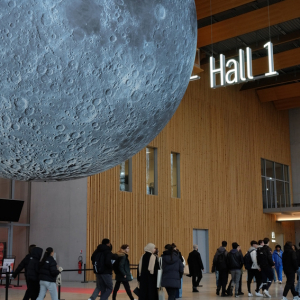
236, 296
258, 294
195, 290
295, 298
280, 282
240, 293
250, 295
284, 298
218, 292
266, 293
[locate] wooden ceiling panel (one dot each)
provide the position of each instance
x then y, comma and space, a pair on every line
252, 21
279, 93
204, 10
287, 103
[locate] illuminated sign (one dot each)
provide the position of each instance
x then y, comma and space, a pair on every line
237, 73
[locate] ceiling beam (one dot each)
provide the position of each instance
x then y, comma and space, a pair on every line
295, 35
204, 10
270, 81
249, 22
291, 90
282, 60
287, 103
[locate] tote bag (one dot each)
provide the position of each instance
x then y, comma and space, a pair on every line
161, 294
159, 273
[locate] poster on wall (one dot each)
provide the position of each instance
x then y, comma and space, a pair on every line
8, 266
2, 252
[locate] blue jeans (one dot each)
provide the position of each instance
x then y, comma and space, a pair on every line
217, 277
298, 284
51, 287
279, 273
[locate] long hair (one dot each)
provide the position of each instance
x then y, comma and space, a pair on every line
170, 248
47, 253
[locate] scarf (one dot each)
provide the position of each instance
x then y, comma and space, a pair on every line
149, 248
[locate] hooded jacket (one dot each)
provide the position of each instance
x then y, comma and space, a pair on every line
289, 260
33, 265
235, 260
172, 267
106, 258
23, 265
264, 257
253, 255
48, 270
216, 265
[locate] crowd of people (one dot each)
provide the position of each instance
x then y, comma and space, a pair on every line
260, 264
40, 275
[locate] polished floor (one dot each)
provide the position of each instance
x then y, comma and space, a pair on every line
82, 291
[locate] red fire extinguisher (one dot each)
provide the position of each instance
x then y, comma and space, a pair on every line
80, 264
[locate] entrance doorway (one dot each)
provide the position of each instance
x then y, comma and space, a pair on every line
200, 238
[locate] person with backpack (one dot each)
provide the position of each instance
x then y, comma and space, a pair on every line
277, 258
48, 274
122, 270
290, 266
253, 269
103, 260
23, 265
265, 261
235, 262
220, 266
195, 267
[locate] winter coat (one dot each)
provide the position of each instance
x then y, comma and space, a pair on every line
253, 254
108, 256
48, 270
235, 260
289, 260
277, 258
123, 268
264, 257
148, 282
195, 263
23, 265
220, 264
172, 267
33, 265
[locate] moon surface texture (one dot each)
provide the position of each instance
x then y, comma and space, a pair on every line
86, 84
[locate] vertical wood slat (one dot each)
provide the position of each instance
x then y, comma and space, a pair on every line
221, 136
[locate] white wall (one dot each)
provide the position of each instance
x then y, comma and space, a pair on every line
58, 219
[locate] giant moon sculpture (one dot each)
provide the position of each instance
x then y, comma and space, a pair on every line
86, 84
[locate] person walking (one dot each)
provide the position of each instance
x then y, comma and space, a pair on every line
298, 270
290, 266
195, 267
220, 266
179, 291
23, 265
102, 260
235, 263
172, 271
277, 258
48, 273
147, 274
253, 269
265, 261
122, 270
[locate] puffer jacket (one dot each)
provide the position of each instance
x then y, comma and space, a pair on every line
172, 267
123, 268
48, 270
33, 265
23, 265
289, 260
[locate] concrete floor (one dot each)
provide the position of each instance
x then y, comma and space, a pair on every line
82, 291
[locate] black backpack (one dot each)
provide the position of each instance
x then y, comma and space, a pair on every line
221, 262
98, 263
248, 260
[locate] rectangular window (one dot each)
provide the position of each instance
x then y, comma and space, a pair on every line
151, 171
275, 184
126, 176
175, 175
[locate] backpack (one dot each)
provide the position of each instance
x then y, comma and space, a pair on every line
248, 260
221, 262
98, 263
262, 258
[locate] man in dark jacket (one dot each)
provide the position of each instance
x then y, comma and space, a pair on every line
32, 274
220, 266
103, 260
235, 262
290, 266
195, 267
265, 261
23, 265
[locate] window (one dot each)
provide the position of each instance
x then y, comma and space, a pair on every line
275, 184
126, 176
151, 171
175, 175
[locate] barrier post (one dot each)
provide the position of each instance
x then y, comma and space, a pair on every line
6, 285
84, 276
18, 282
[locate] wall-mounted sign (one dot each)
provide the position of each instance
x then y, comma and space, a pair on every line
237, 73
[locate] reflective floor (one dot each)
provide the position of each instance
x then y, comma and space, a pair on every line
82, 291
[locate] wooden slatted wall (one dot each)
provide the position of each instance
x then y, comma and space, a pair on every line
221, 136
